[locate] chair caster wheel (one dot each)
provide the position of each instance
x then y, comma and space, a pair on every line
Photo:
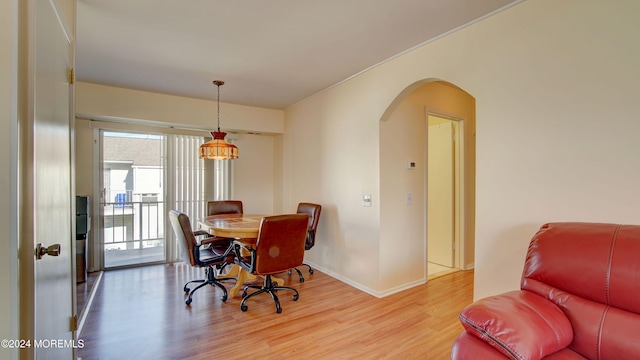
243, 307
310, 271
278, 310
295, 297
188, 301
301, 280
186, 290
223, 297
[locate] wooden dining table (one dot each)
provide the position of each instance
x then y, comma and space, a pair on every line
239, 226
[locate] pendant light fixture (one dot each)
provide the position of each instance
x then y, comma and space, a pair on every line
217, 148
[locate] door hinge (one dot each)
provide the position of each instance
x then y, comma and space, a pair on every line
73, 324
71, 76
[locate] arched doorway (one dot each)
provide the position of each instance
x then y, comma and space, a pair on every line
404, 191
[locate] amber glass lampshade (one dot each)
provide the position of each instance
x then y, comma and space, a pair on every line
218, 148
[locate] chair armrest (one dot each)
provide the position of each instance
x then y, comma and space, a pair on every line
248, 244
245, 250
520, 324
200, 241
200, 232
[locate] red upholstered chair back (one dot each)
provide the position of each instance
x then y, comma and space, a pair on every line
280, 243
224, 207
592, 272
313, 210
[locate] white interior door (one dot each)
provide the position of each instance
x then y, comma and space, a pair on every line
52, 185
440, 194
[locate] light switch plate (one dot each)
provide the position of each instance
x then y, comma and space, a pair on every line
366, 200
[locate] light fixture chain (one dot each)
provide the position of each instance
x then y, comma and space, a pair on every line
218, 107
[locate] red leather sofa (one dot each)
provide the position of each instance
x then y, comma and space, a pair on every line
579, 298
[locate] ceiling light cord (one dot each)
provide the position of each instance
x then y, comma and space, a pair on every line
218, 83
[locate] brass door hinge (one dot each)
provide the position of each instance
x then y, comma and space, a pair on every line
71, 76
73, 324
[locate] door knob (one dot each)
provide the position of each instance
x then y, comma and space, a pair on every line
53, 250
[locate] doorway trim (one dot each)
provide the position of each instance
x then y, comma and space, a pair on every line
459, 181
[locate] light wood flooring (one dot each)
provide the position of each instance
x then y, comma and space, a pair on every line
139, 313
436, 270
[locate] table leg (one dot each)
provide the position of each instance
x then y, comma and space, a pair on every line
277, 280
242, 276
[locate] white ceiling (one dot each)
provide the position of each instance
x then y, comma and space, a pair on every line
270, 54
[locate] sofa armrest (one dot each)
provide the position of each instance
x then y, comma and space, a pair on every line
520, 324
469, 347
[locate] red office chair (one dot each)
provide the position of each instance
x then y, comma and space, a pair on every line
279, 247
219, 207
218, 253
313, 210
224, 207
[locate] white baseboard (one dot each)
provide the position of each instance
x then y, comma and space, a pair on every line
85, 311
378, 294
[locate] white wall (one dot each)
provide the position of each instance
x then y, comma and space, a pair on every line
331, 157
254, 173
555, 84
100, 102
9, 176
402, 227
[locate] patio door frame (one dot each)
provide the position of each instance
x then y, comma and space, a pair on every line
95, 261
98, 253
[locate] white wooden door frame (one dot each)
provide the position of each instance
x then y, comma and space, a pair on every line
459, 192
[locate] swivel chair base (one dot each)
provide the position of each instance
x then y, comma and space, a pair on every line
270, 287
300, 273
210, 280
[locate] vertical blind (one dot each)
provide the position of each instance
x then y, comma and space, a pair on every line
192, 181
186, 172
186, 183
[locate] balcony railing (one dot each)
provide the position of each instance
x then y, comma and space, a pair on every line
133, 230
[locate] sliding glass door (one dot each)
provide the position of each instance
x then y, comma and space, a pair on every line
133, 206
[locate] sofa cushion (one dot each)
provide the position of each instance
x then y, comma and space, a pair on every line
519, 324
597, 262
590, 271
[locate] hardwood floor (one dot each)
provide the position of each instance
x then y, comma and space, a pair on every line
140, 313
